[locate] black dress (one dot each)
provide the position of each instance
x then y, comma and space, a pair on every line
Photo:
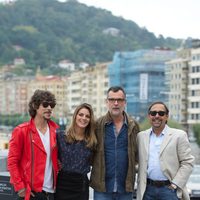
72, 186
72, 182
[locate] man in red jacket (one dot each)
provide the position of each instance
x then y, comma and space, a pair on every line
32, 158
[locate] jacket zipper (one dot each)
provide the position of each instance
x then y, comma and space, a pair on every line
32, 160
54, 175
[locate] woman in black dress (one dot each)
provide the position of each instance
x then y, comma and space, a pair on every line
75, 147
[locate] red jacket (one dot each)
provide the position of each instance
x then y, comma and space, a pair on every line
27, 157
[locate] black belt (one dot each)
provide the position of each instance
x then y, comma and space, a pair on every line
158, 183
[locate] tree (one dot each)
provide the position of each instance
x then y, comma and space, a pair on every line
196, 130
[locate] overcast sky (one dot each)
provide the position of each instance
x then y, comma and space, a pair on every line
173, 18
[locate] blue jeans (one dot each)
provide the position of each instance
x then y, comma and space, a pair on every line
112, 196
159, 193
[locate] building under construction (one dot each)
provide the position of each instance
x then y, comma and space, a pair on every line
142, 74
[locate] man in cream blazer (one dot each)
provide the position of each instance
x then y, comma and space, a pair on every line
165, 160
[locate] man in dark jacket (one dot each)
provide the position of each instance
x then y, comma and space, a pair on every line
113, 170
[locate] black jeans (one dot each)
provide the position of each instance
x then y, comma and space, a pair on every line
39, 196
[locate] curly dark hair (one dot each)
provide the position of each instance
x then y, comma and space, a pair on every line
38, 97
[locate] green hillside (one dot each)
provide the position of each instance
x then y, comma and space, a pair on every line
46, 31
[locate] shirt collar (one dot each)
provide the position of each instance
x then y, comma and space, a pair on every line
125, 121
162, 133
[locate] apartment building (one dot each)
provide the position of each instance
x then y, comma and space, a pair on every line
183, 81
88, 85
13, 98
141, 73
176, 74
85, 85
194, 87
97, 87
146, 75
74, 82
54, 84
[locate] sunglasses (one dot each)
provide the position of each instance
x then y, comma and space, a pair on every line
160, 113
45, 104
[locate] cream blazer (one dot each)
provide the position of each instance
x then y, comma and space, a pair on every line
176, 160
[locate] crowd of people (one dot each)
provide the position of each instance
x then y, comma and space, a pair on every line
47, 163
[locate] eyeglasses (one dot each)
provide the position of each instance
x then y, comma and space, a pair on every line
45, 104
113, 100
160, 113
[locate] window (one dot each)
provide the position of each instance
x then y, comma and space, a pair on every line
193, 92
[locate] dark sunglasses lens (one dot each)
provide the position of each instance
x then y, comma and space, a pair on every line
52, 105
161, 113
154, 113
45, 104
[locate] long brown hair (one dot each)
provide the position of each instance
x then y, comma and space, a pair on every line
90, 137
